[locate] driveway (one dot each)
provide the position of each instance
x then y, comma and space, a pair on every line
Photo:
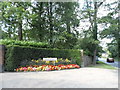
74, 78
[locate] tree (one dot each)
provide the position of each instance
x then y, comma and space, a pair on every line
13, 14
53, 20
70, 21
112, 48
90, 14
111, 24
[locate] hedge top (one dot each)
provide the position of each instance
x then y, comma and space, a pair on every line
24, 43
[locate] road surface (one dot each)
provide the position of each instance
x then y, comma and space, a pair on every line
115, 64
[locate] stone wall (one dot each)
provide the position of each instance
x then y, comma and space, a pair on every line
2, 48
87, 60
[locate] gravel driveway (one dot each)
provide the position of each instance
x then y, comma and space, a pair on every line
75, 78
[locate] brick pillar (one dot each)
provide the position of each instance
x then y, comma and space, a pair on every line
2, 48
82, 58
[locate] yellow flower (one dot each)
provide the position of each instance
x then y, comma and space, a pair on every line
32, 60
47, 62
37, 61
61, 59
43, 69
67, 60
39, 68
53, 61
56, 61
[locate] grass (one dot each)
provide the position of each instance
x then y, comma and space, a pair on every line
102, 65
117, 59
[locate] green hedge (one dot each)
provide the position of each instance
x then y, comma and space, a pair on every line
24, 43
15, 55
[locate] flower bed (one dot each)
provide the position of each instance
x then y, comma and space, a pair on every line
46, 67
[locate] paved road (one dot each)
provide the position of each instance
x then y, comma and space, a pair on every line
115, 64
75, 78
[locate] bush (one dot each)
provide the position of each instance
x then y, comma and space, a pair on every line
88, 45
24, 43
15, 55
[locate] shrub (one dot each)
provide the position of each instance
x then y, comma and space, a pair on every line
24, 43
15, 55
88, 45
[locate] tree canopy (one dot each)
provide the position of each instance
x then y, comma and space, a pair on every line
68, 25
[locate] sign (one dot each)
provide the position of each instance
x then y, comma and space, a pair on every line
49, 59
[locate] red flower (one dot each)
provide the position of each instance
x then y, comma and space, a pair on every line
47, 67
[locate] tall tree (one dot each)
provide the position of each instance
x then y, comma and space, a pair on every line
90, 12
111, 25
69, 17
55, 19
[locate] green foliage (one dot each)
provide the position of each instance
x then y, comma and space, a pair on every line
15, 55
12, 16
40, 21
112, 29
66, 41
88, 45
112, 47
24, 43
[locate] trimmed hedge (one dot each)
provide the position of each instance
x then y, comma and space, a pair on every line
24, 43
16, 54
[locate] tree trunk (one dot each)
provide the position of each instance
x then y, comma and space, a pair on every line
119, 32
20, 37
9, 32
94, 57
95, 31
95, 21
50, 22
68, 27
118, 42
40, 34
1, 34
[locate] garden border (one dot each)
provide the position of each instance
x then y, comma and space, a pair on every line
86, 60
